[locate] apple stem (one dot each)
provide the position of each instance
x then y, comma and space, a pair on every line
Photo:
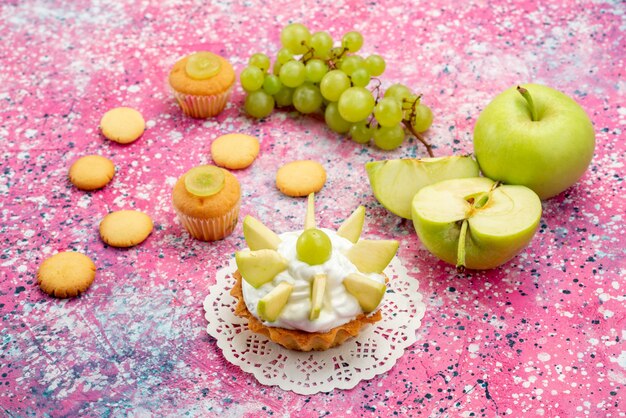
529, 100
460, 253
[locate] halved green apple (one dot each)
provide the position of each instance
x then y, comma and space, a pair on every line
317, 295
395, 182
367, 292
475, 223
258, 236
271, 305
261, 266
351, 228
372, 256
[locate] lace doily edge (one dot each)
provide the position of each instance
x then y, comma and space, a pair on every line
224, 346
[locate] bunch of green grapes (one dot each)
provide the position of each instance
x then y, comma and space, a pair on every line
313, 75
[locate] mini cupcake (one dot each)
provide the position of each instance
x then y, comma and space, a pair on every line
206, 200
202, 83
311, 289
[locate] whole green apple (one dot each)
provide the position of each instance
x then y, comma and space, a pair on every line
475, 223
534, 136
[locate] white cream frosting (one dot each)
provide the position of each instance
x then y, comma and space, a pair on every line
339, 306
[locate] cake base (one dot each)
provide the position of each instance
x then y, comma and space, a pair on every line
301, 340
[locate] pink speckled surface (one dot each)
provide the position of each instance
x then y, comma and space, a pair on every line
541, 336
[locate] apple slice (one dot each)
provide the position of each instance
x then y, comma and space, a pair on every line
309, 218
271, 305
395, 182
258, 236
475, 223
372, 256
367, 292
317, 295
351, 228
259, 267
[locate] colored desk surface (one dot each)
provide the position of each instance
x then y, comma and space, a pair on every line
542, 335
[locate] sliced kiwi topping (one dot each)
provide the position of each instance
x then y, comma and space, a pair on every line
204, 180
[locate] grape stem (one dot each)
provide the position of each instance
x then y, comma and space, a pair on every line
419, 137
409, 126
377, 87
308, 55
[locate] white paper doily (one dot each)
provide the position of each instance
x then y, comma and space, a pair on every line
374, 351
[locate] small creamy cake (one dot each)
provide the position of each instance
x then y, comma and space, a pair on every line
341, 306
311, 289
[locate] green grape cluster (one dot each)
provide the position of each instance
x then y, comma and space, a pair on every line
314, 75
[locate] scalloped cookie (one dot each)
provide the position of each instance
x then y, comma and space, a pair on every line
234, 151
91, 172
122, 125
66, 274
125, 228
300, 178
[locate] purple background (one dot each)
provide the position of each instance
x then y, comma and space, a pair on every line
540, 336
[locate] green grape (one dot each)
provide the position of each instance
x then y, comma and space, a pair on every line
321, 42
351, 63
284, 97
296, 38
375, 64
316, 69
277, 67
251, 78
361, 132
292, 74
314, 247
307, 98
334, 120
355, 104
336, 52
333, 84
284, 55
260, 61
352, 41
360, 77
398, 92
272, 84
259, 104
388, 112
389, 138
423, 118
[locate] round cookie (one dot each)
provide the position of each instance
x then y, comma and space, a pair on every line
125, 228
66, 274
91, 172
234, 151
122, 125
300, 178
